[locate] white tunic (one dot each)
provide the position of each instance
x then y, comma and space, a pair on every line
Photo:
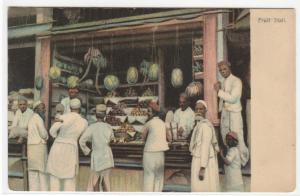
202, 147
185, 119
63, 157
66, 103
156, 138
36, 144
21, 119
100, 134
233, 173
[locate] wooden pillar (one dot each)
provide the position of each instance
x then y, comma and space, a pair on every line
43, 60
161, 80
210, 66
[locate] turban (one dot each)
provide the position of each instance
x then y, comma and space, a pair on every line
60, 108
203, 103
36, 104
100, 108
75, 103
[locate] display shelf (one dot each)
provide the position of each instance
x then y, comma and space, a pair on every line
80, 89
198, 57
69, 72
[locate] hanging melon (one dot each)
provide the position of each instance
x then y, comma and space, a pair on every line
153, 72
177, 78
38, 82
72, 81
111, 82
132, 75
194, 89
144, 67
54, 72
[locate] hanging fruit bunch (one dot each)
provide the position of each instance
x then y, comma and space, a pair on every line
54, 72
111, 82
177, 78
132, 75
153, 72
72, 81
94, 57
194, 89
144, 69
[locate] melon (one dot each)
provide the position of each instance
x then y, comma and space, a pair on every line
111, 82
153, 72
132, 75
38, 82
144, 67
177, 78
54, 72
194, 89
72, 81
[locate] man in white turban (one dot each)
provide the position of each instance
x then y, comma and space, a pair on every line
63, 161
204, 148
229, 92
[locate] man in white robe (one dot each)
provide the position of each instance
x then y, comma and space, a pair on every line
63, 160
73, 93
184, 117
204, 148
37, 150
229, 92
99, 134
21, 119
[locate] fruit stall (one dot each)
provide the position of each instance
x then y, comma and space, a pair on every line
125, 63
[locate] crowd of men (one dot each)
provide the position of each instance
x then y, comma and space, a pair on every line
58, 170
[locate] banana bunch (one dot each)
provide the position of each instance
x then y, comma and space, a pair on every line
96, 57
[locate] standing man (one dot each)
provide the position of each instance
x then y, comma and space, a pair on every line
100, 134
22, 117
37, 149
184, 117
230, 92
73, 93
204, 148
63, 160
154, 152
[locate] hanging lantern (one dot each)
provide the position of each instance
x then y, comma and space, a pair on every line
177, 78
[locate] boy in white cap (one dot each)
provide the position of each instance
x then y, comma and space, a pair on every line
63, 160
233, 163
204, 148
99, 134
37, 149
21, 118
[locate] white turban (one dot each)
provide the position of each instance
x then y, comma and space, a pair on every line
203, 103
36, 104
100, 108
75, 103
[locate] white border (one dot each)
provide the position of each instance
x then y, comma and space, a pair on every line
134, 3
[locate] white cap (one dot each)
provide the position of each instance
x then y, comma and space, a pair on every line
100, 108
36, 104
75, 103
202, 102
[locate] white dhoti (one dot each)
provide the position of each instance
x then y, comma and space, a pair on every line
37, 159
210, 183
97, 178
232, 121
38, 181
153, 164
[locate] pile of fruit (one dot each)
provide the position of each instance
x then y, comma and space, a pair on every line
117, 110
130, 92
138, 112
148, 92
113, 121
